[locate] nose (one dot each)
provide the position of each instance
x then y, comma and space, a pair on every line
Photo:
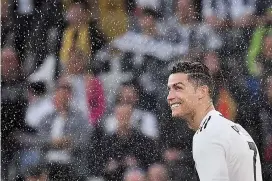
170, 96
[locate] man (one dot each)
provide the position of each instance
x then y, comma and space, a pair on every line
222, 150
126, 147
134, 174
144, 121
64, 135
13, 106
157, 172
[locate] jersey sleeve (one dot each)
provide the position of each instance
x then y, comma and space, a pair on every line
210, 159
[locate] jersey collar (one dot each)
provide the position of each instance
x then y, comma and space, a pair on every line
210, 113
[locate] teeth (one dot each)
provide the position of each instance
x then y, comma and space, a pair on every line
175, 105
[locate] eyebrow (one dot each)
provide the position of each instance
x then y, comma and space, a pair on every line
175, 84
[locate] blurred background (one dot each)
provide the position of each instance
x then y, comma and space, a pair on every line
83, 84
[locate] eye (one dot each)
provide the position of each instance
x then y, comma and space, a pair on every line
178, 87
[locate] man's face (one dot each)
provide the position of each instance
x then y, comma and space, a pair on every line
182, 97
10, 64
267, 50
157, 173
135, 177
183, 8
123, 114
146, 21
76, 64
61, 99
212, 62
129, 95
75, 14
269, 88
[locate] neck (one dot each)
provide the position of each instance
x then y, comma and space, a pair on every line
186, 20
150, 31
183, 20
123, 131
77, 24
199, 115
63, 112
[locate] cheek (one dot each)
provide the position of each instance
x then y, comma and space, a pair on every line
144, 22
190, 100
56, 102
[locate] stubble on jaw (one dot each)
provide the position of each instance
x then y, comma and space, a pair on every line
188, 119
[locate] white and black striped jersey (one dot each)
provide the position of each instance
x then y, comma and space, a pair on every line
224, 151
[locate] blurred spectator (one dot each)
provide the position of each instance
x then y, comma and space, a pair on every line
157, 172
216, 13
145, 49
266, 120
143, 121
80, 32
23, 13
262, 6
186, 31
39, 104
88, 95
148, 39
233, 19
126, 147
140, 50
265, 58
259, 61
44, 39
13, 105
113, 17
42, 177
64, 134
259, 45
220, 13
49, 68
223, 99
152, 4
148, 22
29, 158
134, 175
6, 24
147, 52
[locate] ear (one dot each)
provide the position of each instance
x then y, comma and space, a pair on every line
202, 91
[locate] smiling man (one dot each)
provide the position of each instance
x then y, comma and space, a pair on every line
222, 150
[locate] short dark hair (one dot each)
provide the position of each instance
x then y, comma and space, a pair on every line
197, 72
84, 4
131, 83
150, 12
38, 88
64, 86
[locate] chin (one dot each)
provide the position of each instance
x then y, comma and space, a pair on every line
177, 115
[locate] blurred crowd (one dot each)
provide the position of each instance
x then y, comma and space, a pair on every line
83, 84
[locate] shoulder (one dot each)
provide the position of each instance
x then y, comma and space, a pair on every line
48, 118
93, 26
110, 118
93, 80
76, 116
213, 124
144, 114
47, 121
109, 124
214, 129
